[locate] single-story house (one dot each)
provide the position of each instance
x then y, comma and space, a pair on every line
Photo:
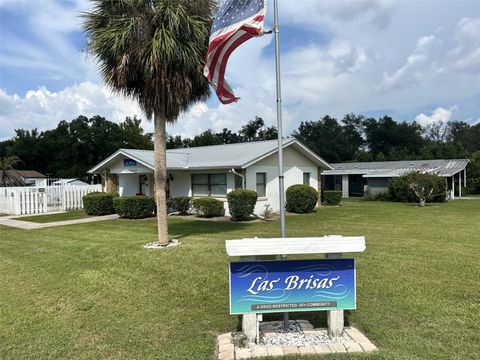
69, 182
369, 178
25, 178
215, 170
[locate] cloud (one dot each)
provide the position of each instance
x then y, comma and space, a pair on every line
439, 115
43, 109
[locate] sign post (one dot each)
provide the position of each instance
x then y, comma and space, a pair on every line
327, 284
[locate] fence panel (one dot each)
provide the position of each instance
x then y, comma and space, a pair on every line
33, 200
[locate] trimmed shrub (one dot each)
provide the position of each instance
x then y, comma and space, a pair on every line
241, 203
181, 204
97, 203
301, 198
208, 207
134, 207
332, 197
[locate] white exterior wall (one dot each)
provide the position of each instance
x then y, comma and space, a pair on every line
295, 164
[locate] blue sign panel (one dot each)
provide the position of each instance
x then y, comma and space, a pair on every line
292, 285
129, 163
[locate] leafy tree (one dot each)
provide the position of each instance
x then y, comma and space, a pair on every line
7, 174
153, 51
329, 139
256, 130
391, 138
205, 139
228, 137
473, 171
425, 186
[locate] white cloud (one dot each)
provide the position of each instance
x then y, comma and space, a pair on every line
439, 115
43, 109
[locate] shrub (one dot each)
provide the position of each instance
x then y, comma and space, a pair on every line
241, 203
434, 188
134, 207
97, 203
301, 198
332, 197
181, 204
398, 190
208, 207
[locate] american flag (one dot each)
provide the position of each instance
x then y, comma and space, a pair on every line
236, 22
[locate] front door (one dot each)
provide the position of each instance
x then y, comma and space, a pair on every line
144, 185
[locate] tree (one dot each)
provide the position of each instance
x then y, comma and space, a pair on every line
473, 178
153, 51
425, 186
255, 130
7, 174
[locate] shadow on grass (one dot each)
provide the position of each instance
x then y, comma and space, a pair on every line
180, 228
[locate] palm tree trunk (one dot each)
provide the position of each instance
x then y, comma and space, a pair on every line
160, 176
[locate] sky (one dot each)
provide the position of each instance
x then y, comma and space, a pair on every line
409, 59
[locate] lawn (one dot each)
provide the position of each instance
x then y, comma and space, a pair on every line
90, 291
64, 216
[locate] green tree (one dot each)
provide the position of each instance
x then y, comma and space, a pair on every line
153, 51
473, 172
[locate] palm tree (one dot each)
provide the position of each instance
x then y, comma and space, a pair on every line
7, 166
154, 52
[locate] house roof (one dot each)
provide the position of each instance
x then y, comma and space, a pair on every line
227, 156
441, 167
26, 174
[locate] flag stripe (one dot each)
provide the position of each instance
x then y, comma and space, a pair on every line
237, 22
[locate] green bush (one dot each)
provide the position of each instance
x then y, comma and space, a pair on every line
208, 207
181, 204
97, 203
134, 207
301, 198
332, 197
241, 203
399, 188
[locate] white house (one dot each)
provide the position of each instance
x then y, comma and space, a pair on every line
69, 182
215, 170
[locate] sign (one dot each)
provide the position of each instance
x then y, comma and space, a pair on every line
292, 285
129, 163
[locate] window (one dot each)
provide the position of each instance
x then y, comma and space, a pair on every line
261, 184
209, 184
306, 178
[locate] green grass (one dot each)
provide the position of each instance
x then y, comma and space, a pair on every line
69, 215
90, 291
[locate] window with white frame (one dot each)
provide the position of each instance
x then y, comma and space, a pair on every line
261, 184
209, 185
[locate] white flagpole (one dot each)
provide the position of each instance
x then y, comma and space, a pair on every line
280, 134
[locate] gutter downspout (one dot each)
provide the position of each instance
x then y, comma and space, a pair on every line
244, 185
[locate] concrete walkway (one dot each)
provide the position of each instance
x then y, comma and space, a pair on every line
27, 225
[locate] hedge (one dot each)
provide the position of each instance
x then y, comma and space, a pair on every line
181, 204
208, 207
332, 197
97, 203
134, 207
301, 198
241, 203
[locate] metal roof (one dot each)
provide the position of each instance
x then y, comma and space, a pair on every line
444, 168
227, 156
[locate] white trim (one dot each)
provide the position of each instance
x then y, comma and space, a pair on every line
114, 155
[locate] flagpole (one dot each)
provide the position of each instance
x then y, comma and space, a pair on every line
280, 135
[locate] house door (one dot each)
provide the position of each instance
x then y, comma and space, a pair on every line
144, 185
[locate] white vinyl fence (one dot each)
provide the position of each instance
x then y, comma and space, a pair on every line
38, 200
